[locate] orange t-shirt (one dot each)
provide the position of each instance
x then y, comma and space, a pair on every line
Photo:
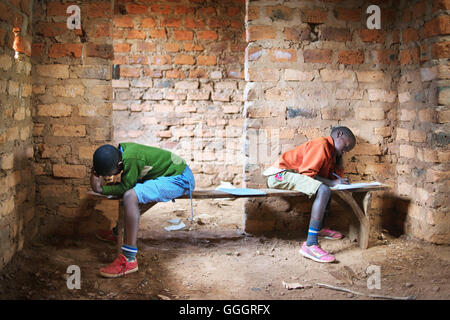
312, 158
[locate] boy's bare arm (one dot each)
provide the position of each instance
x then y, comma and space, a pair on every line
332, 183
96, 183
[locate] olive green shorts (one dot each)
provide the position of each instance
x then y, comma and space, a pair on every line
294, 181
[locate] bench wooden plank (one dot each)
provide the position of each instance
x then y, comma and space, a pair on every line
217, 194
358, 203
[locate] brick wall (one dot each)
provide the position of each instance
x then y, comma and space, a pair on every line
181, 81
17, 214
72, 115
422, 132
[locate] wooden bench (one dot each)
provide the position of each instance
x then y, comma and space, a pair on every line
357, 200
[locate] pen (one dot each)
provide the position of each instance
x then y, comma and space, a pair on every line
334, 174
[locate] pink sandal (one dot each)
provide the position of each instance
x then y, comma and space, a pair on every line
329, 234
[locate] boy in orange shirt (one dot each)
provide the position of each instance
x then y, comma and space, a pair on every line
312, 168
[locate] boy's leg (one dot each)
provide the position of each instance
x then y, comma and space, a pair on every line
317, 214
126, 262
311, 248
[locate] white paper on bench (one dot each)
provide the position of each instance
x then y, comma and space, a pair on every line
356, 185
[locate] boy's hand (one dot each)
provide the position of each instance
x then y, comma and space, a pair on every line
96, 183
340, 181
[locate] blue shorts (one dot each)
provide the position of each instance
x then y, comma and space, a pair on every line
163, 189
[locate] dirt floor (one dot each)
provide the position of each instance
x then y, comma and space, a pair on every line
212, 259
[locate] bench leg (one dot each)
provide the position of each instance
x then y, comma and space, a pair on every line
360, 211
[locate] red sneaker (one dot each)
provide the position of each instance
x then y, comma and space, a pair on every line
106, 235
119, 267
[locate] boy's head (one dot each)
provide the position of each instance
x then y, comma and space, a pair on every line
107, 160
344, 140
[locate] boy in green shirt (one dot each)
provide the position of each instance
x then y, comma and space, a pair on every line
141, 174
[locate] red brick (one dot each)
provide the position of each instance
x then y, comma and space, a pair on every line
441, 5
152, 73
351, 57
193, 47
372, 35
207, 35
252, 13
335, 34
137, 59
206, 60
207, 11
171, 47
148, 23
4, 12
218, 23
118, 34
407, 15
314, 15
161, 9
419, 9
409, 56
233, 11
194, 23
58, 50
261, 33
175, 74
317, 55
120, 59
351, 15
437, 26
36, 49
104, 51
170, 22
161, 59
133, 8
69, 171
181, 10
388, 17
102, 29
198, 73
182, 35
410, 34
441, 50
184, 59
296, 34
58, 9
135, 34
157, 34
236, 24
130, 72
51, 29
123, 22
122, 47
99, 10
389, 56
283, 55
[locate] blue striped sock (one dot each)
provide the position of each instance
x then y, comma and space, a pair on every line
129, 252
314, 228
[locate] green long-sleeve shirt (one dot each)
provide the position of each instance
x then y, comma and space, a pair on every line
144, 163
